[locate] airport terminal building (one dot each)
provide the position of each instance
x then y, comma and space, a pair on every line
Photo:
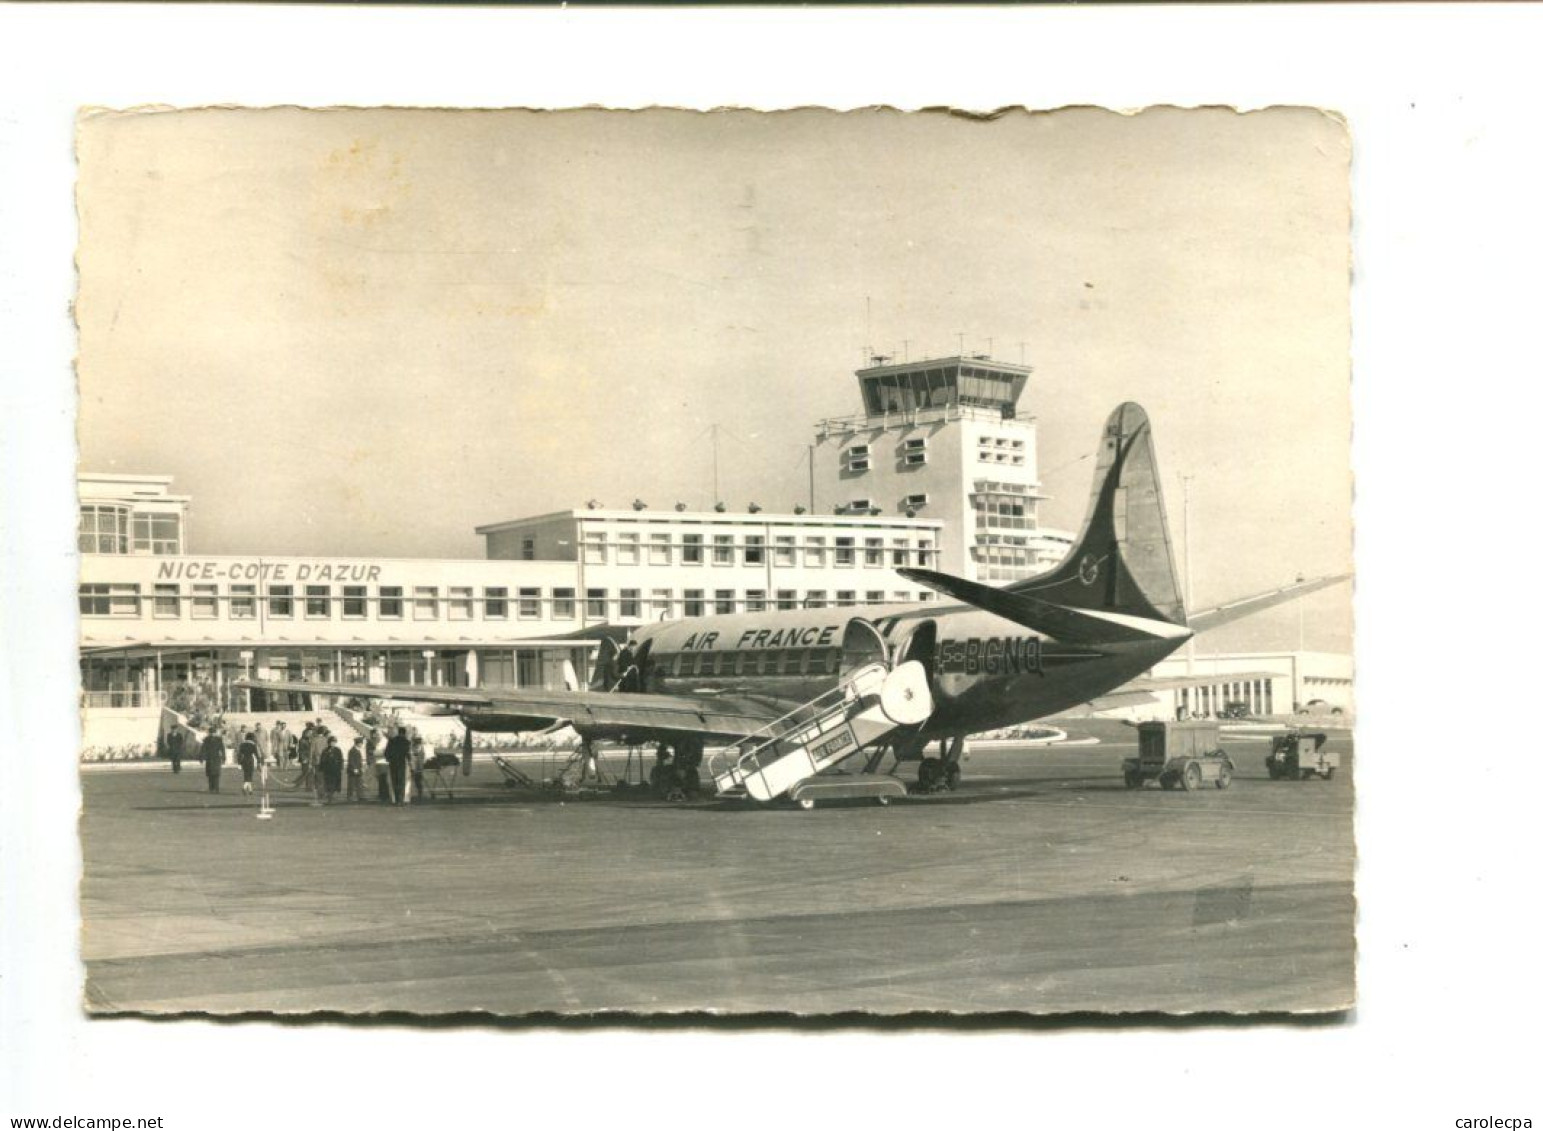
939, 470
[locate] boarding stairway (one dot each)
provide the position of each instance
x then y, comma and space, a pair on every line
865, 707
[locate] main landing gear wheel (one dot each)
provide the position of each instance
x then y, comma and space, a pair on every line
806, 803
951, 775
930, 773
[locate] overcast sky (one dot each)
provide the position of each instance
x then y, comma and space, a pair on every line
366, 332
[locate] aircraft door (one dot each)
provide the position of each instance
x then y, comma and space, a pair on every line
861, 645
921, 644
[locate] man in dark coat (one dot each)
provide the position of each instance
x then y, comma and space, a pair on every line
247, 758
174, 745
331, 762
398, 749
213, 754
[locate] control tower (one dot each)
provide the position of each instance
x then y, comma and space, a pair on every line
944, 438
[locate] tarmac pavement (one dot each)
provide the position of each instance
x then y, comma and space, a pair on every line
1042, 885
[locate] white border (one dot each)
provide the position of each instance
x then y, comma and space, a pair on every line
1442, 103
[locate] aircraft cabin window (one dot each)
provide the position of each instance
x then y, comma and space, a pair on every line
707, 663
751, 665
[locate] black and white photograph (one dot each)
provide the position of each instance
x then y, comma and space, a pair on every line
743, 563
914, 567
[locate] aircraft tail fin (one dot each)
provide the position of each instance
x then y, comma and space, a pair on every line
1122, 561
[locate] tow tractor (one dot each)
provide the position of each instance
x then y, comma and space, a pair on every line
1179, 755
1299, 754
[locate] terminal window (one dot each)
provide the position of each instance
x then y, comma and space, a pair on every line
814, 551
426, 602
318, 602
846, 597
659, 549
662, 599
783, 550
873, 551
691, 549
562, 604
915, 451
594, 603
206, 601
857, 458
495, 602
243, 602
594, 547
900, 553
627, 548
723, 601
157, 534
530, 604
528, 549
924, 552
459, 602
787, 600
814, 599
109, 600
281, 600
391, 602
693, 604
723, 549
846, 553
354, 602
631, 603
104, 530
755, 600
874, 596
168, 601
755, 549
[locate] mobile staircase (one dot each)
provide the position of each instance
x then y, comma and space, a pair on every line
784, 757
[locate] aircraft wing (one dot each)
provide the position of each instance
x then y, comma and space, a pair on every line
1247, 606
513, 709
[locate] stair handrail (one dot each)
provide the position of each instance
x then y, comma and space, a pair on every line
815, 716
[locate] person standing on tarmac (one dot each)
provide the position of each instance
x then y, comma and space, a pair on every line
175, 741
356, 771
418, 758
279, 742
331, 771
247, 758
213, 754
398, 750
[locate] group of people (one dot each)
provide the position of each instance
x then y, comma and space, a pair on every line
324, 767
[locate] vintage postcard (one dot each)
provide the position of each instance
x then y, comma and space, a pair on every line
788, 564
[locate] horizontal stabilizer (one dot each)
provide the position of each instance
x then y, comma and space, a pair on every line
1248, 606
1071, 625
